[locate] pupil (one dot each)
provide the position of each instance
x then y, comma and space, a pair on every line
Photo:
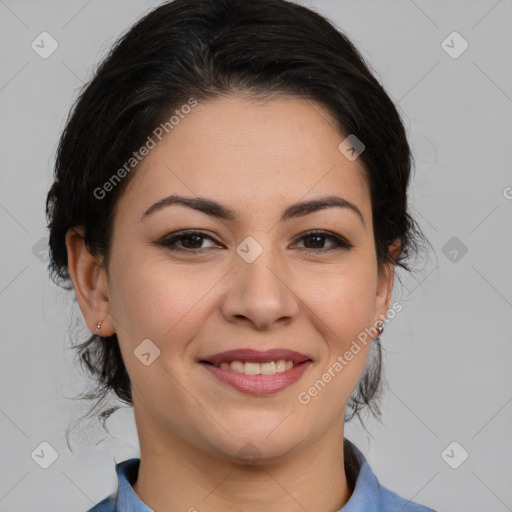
318, 237
197, 237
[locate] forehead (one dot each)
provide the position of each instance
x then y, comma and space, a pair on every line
250, 153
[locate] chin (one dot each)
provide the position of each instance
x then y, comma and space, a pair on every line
254, 447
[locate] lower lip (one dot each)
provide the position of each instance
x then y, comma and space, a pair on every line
258, 384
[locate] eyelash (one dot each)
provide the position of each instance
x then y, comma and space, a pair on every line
170, 242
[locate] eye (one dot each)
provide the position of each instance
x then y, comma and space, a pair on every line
318, 237
191, 241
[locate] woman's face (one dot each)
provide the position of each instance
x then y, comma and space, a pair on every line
251, 281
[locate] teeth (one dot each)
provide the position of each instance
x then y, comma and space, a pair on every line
268, 368
250, 368
237, 366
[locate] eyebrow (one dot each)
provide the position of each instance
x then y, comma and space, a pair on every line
218, 210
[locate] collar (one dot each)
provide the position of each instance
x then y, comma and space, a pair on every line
367, 494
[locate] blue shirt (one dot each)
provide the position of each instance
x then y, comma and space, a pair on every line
368, 494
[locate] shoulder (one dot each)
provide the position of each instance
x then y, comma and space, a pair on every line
368, 493
107, 505
391, 501
124, 498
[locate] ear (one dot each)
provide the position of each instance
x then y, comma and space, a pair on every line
385, 284
90, 282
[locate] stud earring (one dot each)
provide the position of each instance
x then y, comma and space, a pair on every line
380, 327
98, 327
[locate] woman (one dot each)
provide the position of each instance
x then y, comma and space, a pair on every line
230, 204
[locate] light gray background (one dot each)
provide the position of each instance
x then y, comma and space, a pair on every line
448, 353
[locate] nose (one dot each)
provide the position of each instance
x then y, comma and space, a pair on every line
260, 293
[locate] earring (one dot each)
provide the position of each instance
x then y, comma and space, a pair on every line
380, 327
98, 327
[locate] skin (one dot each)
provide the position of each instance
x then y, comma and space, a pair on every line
257, 158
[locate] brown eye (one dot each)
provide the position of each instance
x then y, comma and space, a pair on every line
192, 242
188, 241
315, 241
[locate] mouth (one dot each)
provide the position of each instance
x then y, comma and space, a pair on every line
259, 373
254, 368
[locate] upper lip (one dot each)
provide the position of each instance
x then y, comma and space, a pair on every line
256, 356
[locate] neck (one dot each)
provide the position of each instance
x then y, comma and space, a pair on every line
176, 475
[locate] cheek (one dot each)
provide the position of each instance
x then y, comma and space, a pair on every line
159, 300
342, 297
343, 305
152, 299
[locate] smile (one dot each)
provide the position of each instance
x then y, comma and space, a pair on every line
257, 378
252, 368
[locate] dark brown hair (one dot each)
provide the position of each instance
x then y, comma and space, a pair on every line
203, 49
